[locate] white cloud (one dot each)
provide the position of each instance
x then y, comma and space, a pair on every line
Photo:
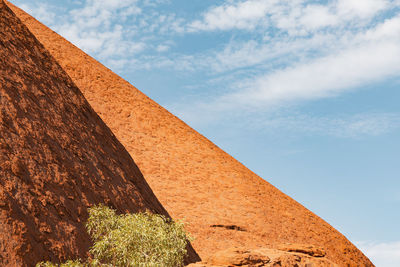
111, 30
296, 17
288, 121
323, 77
237, 55
319, 66
382, 254
291, 31
162, 48
298, 51
362, 9
388, 30
243, 15
97, 27
41, 11
318, 16
345, 126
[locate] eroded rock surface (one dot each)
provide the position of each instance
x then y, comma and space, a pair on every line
304, 249
57, 157
267, 257
194, 179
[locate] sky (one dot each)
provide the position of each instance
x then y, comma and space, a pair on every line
304, 93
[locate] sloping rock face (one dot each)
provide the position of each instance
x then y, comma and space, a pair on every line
224, 203
265, 257
57, 157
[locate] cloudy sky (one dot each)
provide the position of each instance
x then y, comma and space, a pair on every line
304, 93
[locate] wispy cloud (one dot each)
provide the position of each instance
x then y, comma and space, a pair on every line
342, 126
322, 77
112, 31
97, 27
319, 51
382, 254
292, 52
296, 17
242, 15
40, 10
295, 123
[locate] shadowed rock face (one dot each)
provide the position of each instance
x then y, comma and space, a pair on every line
192, 177
57, 157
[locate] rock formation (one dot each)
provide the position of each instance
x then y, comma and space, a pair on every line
224, 203
57, 157
267, 257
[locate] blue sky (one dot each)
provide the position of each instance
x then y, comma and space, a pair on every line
304, 93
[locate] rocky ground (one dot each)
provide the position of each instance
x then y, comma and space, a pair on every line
287, 255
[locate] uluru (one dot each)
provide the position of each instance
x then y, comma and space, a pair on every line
57, 157
73, 134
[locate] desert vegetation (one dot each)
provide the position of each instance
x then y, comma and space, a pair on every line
140, 239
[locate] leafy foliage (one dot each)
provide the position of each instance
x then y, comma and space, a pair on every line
69, 263
141, 239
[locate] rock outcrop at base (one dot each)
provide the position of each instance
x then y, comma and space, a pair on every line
305, 256
193, 178
57, 157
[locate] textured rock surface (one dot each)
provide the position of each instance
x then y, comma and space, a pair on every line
305, 249
57, 157
264, 257
192, 177
238, 257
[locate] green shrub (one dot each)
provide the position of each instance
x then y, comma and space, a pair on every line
141, 239
70, 263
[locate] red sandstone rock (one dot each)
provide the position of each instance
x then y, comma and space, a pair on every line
57, 157
238, 257
305, 249
264, 257
192, 177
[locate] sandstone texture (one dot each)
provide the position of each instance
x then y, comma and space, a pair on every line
57, 157
223, 202
265, 257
